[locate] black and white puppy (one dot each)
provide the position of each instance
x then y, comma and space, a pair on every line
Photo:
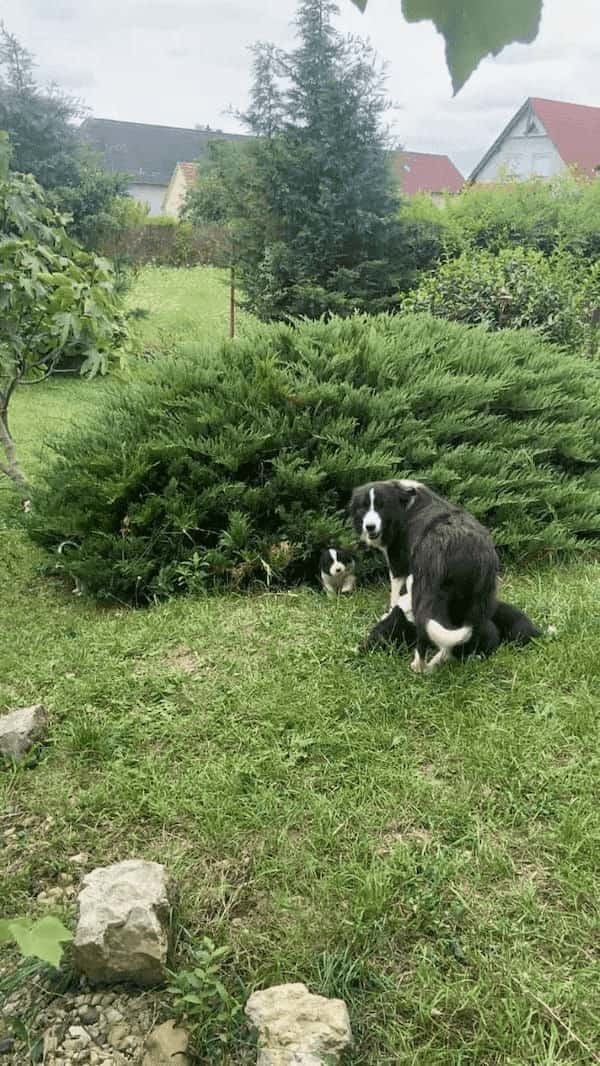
508, 625
449, 554
337, 571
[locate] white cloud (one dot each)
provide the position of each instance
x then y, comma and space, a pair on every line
181, 62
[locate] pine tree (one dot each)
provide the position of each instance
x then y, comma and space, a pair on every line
40, 123
324, 232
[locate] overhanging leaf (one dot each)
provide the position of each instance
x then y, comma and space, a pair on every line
473, 29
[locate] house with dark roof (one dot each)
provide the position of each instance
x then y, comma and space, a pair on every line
148, 154
161, 161
426, 172
182, 180
544, 138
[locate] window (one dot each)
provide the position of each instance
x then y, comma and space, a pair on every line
531, 127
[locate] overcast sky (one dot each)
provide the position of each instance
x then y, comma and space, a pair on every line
182, 62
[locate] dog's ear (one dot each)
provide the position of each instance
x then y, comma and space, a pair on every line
406, 490
355, 500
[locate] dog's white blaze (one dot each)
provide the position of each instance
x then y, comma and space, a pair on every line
372, 518
446, 639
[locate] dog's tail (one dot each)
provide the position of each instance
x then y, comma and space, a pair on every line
447, 638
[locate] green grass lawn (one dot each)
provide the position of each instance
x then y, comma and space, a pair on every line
426, 848
182, 305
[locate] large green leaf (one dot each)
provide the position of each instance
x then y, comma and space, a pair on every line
42, 939
474, 28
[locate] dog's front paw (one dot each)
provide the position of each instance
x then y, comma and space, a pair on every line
418, 664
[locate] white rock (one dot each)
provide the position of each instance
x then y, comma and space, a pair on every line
167, 1046
297, 1028
122, 931
77, 1032
80, 858
50, 1043
20, 730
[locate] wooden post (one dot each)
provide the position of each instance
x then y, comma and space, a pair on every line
232, 302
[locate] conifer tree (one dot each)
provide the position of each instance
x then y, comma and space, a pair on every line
315, 223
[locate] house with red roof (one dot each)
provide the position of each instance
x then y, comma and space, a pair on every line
426, 172
544, 138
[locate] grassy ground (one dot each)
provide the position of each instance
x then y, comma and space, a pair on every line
426, 849
182, 305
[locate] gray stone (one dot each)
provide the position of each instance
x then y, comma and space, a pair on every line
123, 928
113, 1015
167, 1046
6, 1045
297, 1028
118, 1036
21, 729
89, 1015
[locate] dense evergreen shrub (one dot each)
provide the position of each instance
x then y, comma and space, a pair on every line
516, 287
236, 463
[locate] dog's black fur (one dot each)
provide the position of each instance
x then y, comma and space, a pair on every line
508, 625
449, 553
514, 626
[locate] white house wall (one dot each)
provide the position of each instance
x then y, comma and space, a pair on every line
153, 195
175, 195
524, 155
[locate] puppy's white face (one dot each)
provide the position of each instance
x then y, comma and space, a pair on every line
337, 566
336, 562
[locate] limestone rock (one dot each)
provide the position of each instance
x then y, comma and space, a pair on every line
167, 1046
20, 730
118, 1036
122, 931
297, 1028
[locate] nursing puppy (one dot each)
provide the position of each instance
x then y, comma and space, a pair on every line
508, 625
450, 556
336, 567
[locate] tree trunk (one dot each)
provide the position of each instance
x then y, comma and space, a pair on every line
12, 467
232, 302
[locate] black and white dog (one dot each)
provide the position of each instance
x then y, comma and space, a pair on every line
449, 555
336, 567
